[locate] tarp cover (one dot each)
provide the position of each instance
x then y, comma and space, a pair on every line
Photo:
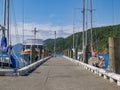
3, 46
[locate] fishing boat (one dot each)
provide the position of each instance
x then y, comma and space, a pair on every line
33, 46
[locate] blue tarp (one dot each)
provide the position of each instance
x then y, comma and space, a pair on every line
3, 45
106, 60
4, 50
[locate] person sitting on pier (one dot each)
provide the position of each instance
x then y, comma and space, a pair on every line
99, 63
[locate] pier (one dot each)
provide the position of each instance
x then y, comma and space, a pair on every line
57, 73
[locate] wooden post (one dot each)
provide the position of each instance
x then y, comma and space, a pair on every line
71, 53
68, 53
84, 54
32, 54
114, 52
76, 53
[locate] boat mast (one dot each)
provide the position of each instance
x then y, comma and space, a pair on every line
8, 15
4, 17
91, 10
83, 23
55, 45
86, 22
73, 33
23, 18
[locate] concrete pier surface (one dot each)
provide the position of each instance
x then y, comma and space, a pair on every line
57, 73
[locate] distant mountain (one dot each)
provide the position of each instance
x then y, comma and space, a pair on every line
48, 41
59, 44
100, 39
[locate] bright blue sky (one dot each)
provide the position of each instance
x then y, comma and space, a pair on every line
58, 14
60, 11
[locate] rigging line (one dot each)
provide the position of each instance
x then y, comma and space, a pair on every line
23, 19
113, 11
10, 30
15, 24
113, 22
4, 15
1, 3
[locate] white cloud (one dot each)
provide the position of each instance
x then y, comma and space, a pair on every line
45, 31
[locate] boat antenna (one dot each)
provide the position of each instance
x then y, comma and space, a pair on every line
35, 32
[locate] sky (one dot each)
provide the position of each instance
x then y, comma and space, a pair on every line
56, 15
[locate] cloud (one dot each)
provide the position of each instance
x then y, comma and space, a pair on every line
45, 31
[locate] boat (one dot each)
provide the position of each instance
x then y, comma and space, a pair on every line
5, 47
34, 47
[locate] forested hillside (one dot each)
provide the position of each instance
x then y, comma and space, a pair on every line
100, 39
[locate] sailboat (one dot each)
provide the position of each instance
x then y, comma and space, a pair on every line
4, 46
8, 57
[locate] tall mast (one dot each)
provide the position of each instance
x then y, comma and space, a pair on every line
83, 24
23, 18
86, 22
8, 15
55, 45
73, 29
91, 10
4, 16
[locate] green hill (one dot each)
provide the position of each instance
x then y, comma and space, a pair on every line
100, 39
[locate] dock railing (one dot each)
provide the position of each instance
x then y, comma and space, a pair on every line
23, 71
113, 77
